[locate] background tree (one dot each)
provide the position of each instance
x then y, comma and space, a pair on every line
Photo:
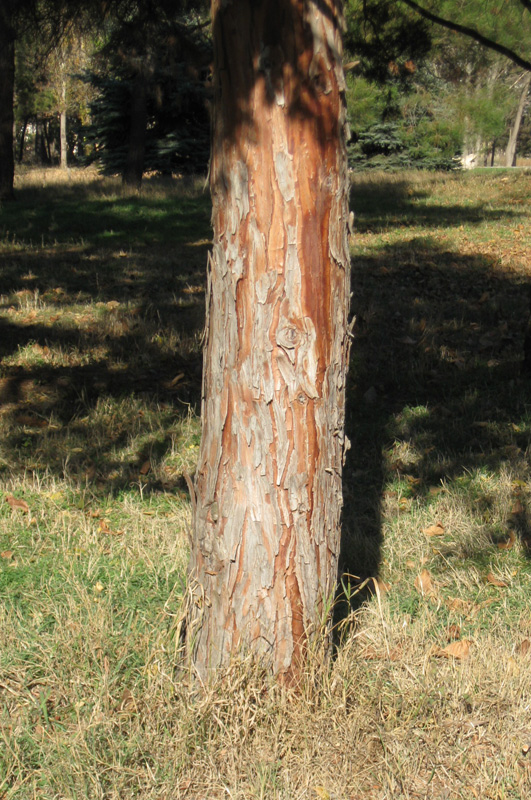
8, 22
503, 28
423, 94
166, 128
47, 18
268, 482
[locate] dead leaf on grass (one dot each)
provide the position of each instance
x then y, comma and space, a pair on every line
7, 554
458, 604
380, 585
523, 647
104, 528
424, 584
517, 508
30, 421
494, 581
458, 650
145, 468
509, 544
322, 793
127, 702
434, 530
454, 632
14, 502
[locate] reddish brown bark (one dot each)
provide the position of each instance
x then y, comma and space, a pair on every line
268, 482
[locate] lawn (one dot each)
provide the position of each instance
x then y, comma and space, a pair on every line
101, 322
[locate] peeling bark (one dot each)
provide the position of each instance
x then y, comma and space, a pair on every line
268, 481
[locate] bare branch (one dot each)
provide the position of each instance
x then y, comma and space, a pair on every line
472, 33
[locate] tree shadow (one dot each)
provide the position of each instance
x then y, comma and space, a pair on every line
436, 387
89, 321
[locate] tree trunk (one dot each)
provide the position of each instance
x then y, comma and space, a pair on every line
7, 83
49, 144
510, 153
62, 122
22, 140
136, 151
41, 147
268, 484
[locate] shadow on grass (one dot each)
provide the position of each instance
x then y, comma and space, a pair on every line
386, 204
436, 388
117, 291
101, 301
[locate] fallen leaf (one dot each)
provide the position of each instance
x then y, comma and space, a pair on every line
454, 632
511, 666
434, 530
494, 581
523, 647
458, 650
517, 508
457, 604
104, 528
424, 584
127, 702
144, 469
31, 421
14, 502
99, 587
509, 543
7, 554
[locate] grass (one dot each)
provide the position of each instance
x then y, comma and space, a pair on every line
101, 315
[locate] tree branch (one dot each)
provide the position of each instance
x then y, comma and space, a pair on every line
472, 33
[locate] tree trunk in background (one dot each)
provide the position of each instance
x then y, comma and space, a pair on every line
268, 482
7, 83
473, 148
510, 153
22, 141
62, 121
136, 151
